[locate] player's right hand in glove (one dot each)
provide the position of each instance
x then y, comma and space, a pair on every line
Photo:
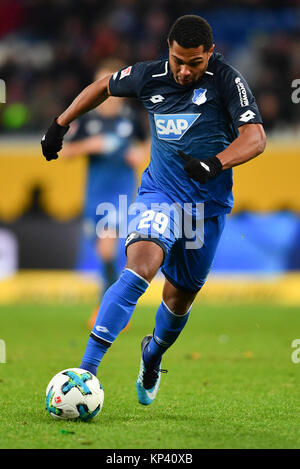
52, 140
201, 171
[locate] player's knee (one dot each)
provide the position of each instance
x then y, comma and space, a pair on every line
144, 258
143, 269
143, 272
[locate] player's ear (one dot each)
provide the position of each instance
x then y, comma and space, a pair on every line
211, 50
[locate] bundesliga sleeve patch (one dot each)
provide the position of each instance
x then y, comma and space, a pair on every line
125, 72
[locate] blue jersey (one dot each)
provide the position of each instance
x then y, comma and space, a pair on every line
201, 120
108, 173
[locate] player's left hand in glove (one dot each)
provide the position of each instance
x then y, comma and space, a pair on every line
52, 140
201, 171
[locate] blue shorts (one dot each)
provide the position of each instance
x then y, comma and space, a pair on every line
188, 239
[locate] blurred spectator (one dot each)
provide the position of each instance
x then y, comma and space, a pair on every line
50, 49
12, 13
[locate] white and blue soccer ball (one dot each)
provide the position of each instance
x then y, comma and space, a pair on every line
74, 393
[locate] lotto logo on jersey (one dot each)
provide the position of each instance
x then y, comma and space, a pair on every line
173, 126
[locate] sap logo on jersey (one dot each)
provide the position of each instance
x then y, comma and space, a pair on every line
173, 126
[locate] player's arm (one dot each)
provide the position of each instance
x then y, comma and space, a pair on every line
91, 97
251, 140
242, 108
250, 143
121, 84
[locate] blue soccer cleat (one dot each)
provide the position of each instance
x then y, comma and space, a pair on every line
148, 380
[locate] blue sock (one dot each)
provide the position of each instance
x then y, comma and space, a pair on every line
115, 311
93, 355
167, 328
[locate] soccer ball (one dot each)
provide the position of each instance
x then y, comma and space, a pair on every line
74, 393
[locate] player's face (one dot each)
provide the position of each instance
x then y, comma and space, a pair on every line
188, 65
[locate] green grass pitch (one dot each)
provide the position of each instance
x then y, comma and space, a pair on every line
231, 380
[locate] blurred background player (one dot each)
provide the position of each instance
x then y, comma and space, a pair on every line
114, 141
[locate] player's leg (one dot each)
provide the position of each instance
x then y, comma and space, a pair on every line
148, 242
144, 258
143, 261
185, 271
171, 317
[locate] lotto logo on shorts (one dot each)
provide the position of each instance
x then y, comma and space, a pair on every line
125, 72
173, 126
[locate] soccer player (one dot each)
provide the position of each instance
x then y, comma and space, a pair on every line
114, 141
204, 120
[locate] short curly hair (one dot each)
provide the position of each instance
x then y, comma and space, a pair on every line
191, 31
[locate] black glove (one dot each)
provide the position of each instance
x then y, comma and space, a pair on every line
199, 170
52, 140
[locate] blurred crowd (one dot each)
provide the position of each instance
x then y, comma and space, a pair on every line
50, 49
